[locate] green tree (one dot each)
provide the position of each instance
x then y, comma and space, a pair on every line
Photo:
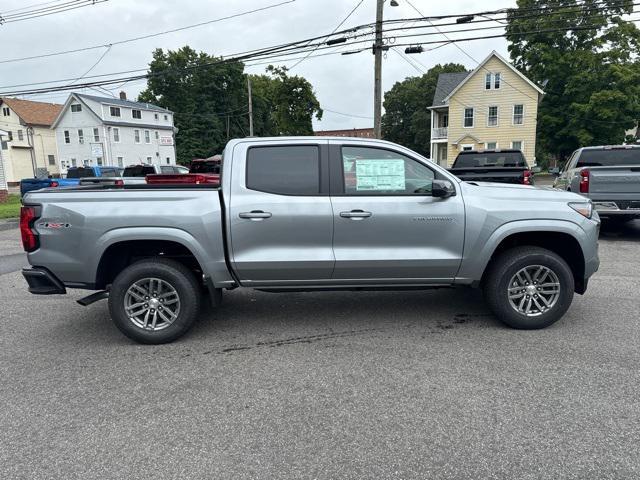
210, 102
591, 76
407, 120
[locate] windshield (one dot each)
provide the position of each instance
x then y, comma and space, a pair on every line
205, 167
80, 172
490, 159
608, 158
138, 171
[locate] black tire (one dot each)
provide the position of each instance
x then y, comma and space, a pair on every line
501, 271
179, 277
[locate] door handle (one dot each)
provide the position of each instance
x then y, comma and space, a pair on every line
355, 214
255, 215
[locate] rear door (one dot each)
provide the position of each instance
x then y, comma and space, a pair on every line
388, 227
281, 221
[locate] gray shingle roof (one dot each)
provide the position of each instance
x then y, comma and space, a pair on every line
446, 83
124, 103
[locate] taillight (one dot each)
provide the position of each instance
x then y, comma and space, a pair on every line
29, 237
119, 182
190, 178
54, 184
526, 177
584, 180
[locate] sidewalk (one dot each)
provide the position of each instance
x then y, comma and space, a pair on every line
8, 224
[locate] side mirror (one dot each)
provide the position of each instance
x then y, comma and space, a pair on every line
442, 189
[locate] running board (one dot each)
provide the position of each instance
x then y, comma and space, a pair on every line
94, 297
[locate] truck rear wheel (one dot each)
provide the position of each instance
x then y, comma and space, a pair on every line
154, 301
528, 287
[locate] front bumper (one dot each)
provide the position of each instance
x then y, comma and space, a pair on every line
42, 282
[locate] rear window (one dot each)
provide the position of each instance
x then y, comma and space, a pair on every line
80, 172
292, 170
205, 167
497, 159
138, 171
110, 172
608, 158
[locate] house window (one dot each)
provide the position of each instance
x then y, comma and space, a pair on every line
99, 160
136, 114
4, 145
114, 111
147, 137
491, 145
10, 135
116, 135
74, 162
155, 116
468, 117
467, 147
136, 136
6, 112
168, 161
76, 107
80, 136
487, 81
496, 81
166, 117
492, 117
20, 135
518, 114
157, 135
516, 145
148, 159
67, 138
120, 161
51, 159
96, 135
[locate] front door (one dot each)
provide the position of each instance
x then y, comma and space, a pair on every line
387, 226
281, 221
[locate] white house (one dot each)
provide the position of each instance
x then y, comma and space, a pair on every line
93, 130
4, 193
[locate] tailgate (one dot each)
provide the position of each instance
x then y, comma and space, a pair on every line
615, 180
491, 174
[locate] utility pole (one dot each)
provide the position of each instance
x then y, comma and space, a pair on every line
250, 107
377, 73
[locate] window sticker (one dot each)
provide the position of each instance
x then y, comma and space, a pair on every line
380, 175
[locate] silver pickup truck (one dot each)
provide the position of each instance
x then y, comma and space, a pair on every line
309, 213
609, 176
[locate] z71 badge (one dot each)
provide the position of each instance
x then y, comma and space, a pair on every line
54, 225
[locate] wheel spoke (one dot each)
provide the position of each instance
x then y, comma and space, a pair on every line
155, 318
146, 319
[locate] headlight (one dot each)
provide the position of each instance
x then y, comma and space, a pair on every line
583, 208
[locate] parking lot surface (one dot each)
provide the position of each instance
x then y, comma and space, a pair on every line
420, 384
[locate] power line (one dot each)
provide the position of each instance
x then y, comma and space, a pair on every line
92, 66
151, 35
46, 12
346, 114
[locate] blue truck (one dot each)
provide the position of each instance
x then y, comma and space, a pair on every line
74, 174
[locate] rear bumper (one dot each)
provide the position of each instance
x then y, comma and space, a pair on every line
42, 282
615, 208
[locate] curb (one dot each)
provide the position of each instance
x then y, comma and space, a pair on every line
9, 224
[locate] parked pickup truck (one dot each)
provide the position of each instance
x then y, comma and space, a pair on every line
136, 174
73, 178
500, 166
286, 219
609, 176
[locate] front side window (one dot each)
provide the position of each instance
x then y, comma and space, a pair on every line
67, 138
96, 135
374, 171
116, 135
468, 117
492, 117
288, 170
518, 114
136, 114
80, 136
147, 137
114, 111
136, 136
76, 107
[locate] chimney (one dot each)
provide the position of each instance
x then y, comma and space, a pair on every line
123, 95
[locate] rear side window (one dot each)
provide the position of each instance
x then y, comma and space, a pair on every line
609, 158
498, 159
290, 170
80, 172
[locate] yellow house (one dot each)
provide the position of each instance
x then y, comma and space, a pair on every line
29, 149
493, 107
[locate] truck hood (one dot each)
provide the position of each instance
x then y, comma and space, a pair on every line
510, 190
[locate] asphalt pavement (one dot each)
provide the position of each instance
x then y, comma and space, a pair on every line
399, 385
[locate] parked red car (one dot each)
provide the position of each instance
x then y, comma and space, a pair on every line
210, 167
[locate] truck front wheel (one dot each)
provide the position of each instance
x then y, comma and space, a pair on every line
528, 287
154, 301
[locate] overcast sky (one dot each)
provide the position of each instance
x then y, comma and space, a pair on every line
341, 83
